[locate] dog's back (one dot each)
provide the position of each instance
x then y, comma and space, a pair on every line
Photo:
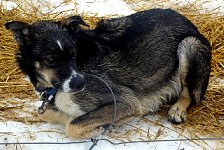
141, 50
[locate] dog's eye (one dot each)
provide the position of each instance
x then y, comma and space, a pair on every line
49, 61
73, 54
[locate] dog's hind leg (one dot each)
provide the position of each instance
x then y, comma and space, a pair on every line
178, 112
94, 123
194, 69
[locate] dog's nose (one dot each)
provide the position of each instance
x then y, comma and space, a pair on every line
77, 83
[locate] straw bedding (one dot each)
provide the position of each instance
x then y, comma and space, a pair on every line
207, 118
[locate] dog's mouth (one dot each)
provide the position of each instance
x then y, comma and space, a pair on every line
80, 89
73, 84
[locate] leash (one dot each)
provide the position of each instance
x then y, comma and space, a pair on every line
47, 97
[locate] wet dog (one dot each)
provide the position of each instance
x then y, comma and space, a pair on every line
148, 58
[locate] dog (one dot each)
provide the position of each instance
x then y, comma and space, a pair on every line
147, 58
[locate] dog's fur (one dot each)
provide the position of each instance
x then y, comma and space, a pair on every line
148, 58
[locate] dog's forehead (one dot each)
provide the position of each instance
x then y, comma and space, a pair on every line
52, 40
50, 30
44, 25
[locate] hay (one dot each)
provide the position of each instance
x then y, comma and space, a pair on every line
206, 119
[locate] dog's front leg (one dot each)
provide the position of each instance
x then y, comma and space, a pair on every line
93, 123
52, 115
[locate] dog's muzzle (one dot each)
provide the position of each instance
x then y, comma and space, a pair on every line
75, 83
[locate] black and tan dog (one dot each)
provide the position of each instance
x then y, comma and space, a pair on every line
148, 58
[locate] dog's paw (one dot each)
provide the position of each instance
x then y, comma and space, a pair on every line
177, 114
76, 132
47, 115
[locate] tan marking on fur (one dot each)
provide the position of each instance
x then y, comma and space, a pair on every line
79, 132
92, 126
42, 84
178, 112
83, 131
48, 74
54, 117
37, 65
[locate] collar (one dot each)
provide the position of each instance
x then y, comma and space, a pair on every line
47, 97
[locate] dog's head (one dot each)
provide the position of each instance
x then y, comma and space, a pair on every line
47, 53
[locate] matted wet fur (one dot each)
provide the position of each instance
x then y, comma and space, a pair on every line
148, 58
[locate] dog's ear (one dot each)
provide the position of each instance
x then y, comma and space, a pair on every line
73, 22
21, 31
